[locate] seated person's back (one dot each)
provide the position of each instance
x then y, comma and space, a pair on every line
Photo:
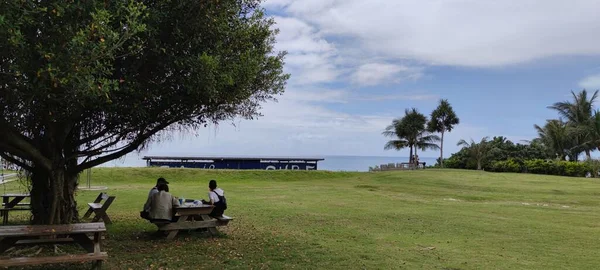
161, 204
216, 197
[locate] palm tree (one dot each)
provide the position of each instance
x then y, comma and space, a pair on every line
427, 141
579, 115
555, 135
478, 151
443, 119
409, 131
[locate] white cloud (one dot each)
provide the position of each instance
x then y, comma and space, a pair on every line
324, 95
457, 32
309, 58
381, 73
591, 82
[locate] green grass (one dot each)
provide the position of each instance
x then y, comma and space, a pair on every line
432, 219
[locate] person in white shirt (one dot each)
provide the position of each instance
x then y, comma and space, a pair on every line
217, 198
160, 205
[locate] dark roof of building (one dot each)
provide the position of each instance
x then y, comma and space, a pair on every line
232, 158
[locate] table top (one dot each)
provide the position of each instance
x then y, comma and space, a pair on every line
192, 205
15, 195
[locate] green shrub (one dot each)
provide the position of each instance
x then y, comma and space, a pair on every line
510, 165
565, 168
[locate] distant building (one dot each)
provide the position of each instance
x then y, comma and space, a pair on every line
234, 163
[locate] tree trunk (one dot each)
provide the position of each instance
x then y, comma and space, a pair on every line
410, 158
478, 164
442, 151
415, 159
53, 197
588, 154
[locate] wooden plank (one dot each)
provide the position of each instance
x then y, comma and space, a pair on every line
190, 211
62, 240
95, 205
38, 230
45, 241
21, 261
97, 200
15, 195
188, 225
25, 203
15, 209
13, 202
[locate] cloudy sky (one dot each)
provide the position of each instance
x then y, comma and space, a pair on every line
358, 64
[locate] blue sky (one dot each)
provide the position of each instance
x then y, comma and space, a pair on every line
356, 65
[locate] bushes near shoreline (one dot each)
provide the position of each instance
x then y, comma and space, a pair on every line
549, 167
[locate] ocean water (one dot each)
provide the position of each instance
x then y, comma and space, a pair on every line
331, 163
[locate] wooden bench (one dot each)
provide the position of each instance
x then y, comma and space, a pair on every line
13, 202
54, 234
4, 212
192, 218
100, 208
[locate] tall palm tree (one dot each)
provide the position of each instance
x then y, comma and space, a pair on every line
443, 119
477, 151
579, 114
409, 131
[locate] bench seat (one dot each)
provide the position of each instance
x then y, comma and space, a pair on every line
223, 220
42, 230
22, 261
95, 205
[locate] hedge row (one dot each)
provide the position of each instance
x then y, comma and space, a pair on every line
539, 166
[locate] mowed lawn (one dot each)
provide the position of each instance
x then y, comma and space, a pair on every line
431, 219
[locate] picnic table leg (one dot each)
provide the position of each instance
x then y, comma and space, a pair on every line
4, 217
88, 213
174, 233
101, 214
97, 239
14, 202
4, 214
84, 241
212, 230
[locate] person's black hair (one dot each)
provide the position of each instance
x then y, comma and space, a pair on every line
212, 184
161, 181
163, 187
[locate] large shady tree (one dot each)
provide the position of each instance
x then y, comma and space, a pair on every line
86, 82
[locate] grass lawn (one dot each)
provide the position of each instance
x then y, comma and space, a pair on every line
432, 219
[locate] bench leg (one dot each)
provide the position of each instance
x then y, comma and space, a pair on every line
88, 213
97, 265
211, 230
101, 215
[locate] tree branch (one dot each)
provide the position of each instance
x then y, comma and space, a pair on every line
125, 150
16, 161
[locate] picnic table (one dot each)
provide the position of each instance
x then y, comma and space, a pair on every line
191, 217
54, 235
13, 204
